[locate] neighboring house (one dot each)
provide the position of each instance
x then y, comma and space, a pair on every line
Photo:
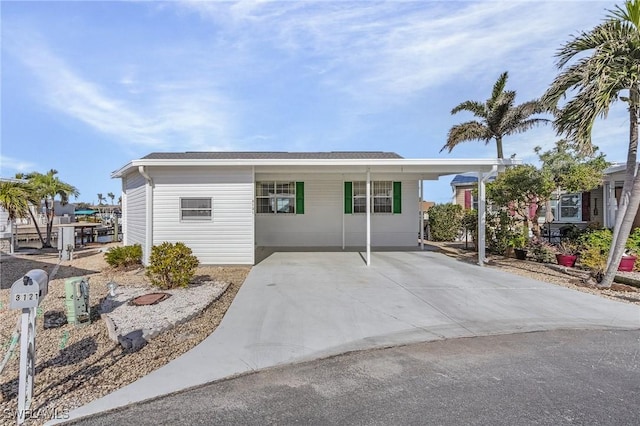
225, 204
464, 185
567, 208
426, 205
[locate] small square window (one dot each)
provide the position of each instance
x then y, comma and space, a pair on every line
196, 209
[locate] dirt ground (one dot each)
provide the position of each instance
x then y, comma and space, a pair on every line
77, 364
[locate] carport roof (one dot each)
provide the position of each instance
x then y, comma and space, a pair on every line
318, 162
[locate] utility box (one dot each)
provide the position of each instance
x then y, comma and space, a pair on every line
66, 241
77, 300
28, 291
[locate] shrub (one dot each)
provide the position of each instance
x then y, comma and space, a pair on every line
470, 225
124, 256
445, 222
595, 246
171, 265
500, 232
542, 251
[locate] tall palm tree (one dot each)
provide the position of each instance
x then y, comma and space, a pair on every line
499, 117
47, 187
100, 198
112, 196
606, 69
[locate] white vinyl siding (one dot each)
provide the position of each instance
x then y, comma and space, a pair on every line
225, 239
134, 210
322, 221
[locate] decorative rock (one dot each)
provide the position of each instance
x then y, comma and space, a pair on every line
54, 319
133, 341
122, 318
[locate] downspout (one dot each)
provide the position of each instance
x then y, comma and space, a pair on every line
482, 218
148, 243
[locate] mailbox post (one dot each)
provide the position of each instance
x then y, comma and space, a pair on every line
26, 294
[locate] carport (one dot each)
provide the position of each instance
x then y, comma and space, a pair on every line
225, 204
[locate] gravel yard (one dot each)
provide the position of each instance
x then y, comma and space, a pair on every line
76, 365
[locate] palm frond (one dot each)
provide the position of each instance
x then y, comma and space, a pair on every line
476, 108
465, 132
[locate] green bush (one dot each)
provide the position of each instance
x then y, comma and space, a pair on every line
470, 225
171, 265
595, 246
445, 222
500, 232
541, 251
124, 256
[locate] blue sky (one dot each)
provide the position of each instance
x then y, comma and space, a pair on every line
88, 86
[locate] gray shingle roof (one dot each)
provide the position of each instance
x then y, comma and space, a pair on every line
246, 155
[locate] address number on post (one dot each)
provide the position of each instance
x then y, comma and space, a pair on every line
23, 297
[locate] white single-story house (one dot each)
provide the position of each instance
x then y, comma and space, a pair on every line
224, 205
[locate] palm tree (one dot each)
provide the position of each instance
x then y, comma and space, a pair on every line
46, 187
499, 117
14, 199
100, 198
112, 196
606, 67
32, 199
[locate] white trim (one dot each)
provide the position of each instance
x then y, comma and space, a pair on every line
438, 167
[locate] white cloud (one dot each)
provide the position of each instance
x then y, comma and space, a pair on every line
15, 165
374, 50
186, 113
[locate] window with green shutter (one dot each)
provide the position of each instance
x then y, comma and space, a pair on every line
386, 197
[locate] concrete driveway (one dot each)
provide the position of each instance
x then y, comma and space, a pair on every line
302, 305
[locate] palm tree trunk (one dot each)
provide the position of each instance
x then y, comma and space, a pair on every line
499, 147
49, 213
632, 166
35, 222
630, 194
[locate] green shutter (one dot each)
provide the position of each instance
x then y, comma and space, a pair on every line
299, 197
397, 197
348, 197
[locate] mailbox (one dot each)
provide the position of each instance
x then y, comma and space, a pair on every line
77, 300
28, 291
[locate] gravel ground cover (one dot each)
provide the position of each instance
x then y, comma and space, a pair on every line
78, 364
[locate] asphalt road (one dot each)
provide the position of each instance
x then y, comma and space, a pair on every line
547, 378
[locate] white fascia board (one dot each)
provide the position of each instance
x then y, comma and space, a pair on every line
441, 167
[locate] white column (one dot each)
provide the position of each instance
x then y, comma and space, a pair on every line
612, 204
481, 219
421, 221
368, 207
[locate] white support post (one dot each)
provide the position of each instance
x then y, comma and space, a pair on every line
368, 207
421, 221
481, 218
27, 362
613, 204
